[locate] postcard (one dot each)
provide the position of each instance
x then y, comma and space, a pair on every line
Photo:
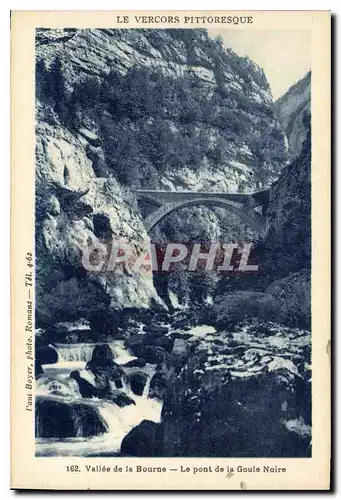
170, 251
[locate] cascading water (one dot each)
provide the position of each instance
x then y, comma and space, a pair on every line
121, 353
75, 352
75, 356
83, 352
57, 384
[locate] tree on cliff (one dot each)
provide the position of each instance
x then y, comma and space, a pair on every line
51, 88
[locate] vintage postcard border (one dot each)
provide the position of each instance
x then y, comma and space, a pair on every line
50, 473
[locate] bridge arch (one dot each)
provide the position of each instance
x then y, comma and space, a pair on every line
249, 216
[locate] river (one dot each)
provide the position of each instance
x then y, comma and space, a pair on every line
117, 421
262, 355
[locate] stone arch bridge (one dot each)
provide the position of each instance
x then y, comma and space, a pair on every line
251, 208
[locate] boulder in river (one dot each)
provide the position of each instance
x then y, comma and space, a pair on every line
181, 335
102, 355
86, 389
46, 355
152, 354
138, 382
180, 348
112, 373
121, 399
55, 418
150, 338
135, 363
165, 342
158, 385
38, 369
145, 440
156, 330
70, 332
135, 340
102, 364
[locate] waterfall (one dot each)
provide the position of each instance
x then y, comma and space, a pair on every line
121, 354
75, 352
147, 386
83, 352
57, 386
93, 426
126, 387
110, 416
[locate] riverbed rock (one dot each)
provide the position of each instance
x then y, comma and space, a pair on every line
121, 399
159, 385
56, 418
46, 355
135, 340
102, 355
149, 347
102, 358
145, 440
181, 347
86, 389
113, 373
156, 330
73, 331
181, 335
103, 366
38, 369
135, 363
152, 354
138, 382
165, 342
230, 309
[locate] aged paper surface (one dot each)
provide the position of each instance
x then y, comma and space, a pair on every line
164, 232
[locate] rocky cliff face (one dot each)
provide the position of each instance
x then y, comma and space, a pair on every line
292, 110
194, 94
118, 109
289, 227
280, 290
76, 209
171, 109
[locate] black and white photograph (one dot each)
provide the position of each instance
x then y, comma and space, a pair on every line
173, 242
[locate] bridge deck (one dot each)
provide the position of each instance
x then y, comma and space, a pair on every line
161, 197
241, 204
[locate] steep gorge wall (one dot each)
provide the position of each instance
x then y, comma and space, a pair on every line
118, 109
174, 89
293, 110
289, 211
288, 241
76, 209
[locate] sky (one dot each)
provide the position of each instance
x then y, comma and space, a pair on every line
284, 55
